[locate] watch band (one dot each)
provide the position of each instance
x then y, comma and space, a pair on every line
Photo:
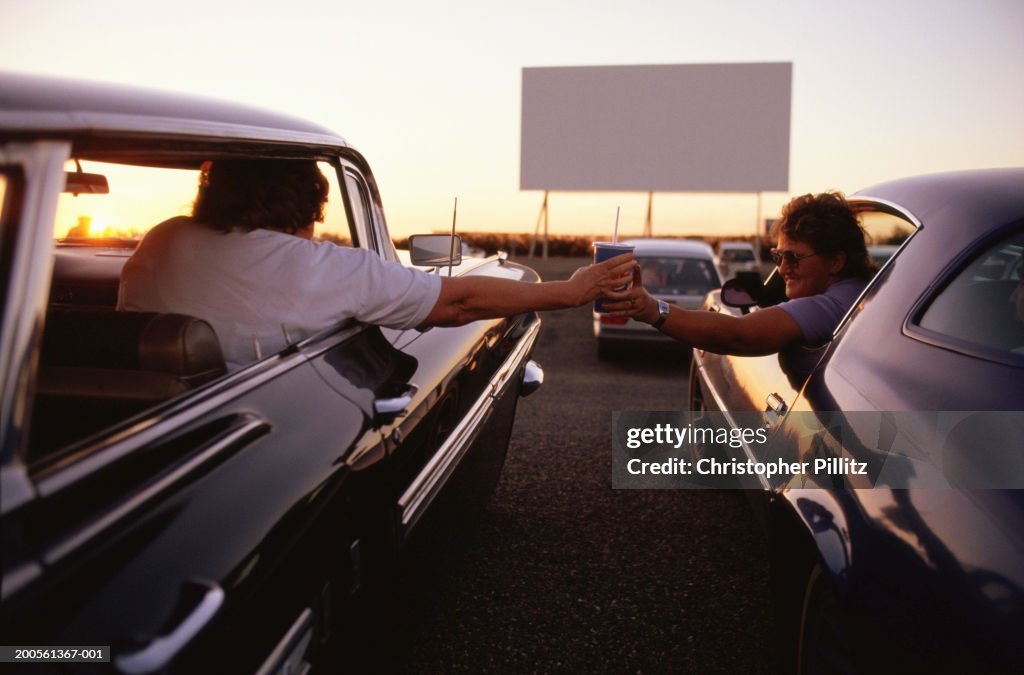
663, 311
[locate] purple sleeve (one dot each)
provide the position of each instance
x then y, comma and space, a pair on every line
819, 315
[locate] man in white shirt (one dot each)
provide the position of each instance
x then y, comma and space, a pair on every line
246, 263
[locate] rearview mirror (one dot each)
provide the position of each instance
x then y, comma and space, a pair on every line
77, 183
435, 250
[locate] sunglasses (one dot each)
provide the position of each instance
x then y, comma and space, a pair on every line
788, 257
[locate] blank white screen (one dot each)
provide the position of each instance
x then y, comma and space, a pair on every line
663, 128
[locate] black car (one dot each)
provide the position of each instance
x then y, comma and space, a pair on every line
187, 518
917, 566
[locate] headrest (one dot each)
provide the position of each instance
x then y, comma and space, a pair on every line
171, 343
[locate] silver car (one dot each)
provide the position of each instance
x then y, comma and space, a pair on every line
737, 256
681, 272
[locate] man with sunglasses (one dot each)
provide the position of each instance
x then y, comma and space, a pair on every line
821, 255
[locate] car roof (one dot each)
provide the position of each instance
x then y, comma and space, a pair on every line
671, 247
38, 106
736, 244
960, 205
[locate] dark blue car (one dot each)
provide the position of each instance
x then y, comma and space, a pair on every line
912, 574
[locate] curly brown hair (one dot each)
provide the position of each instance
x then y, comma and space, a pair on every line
286, 195
828, 224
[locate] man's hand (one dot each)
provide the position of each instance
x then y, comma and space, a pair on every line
600, 280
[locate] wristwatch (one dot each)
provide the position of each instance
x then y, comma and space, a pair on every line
663, 309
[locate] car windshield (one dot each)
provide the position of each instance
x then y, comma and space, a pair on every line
678, 276
737, 255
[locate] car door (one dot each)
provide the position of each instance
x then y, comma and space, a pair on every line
218, 515
213, 523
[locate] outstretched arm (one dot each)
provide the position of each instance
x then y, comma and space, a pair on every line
465, 299
763, 332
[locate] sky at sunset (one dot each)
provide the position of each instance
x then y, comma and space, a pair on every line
430, 91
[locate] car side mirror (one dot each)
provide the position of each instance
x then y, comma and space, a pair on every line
739, 292
746, 290
435, 250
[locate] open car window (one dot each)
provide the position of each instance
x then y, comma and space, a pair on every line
98, 366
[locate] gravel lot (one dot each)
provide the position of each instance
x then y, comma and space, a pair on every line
564, 574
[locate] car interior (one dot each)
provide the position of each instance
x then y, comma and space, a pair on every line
99, 366
978, 305
678, 276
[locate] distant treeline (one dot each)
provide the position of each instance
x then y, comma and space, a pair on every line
576, 246
570, 246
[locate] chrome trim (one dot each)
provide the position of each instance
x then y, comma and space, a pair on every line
28, 280
252, 427
15, 487
892, 209
163, 649
179, 412
278, 661
395, 406
775, 404
533, 378
435, 474
15, 579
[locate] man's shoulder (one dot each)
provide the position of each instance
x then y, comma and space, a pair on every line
175, 222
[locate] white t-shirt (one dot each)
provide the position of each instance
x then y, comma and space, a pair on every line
259, 287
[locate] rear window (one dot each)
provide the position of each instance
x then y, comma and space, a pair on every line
678, 276
730, 255
983, 305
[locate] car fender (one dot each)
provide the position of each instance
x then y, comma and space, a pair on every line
816, 519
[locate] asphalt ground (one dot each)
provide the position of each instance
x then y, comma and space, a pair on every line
562, 574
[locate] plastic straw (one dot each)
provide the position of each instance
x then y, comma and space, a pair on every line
615, 232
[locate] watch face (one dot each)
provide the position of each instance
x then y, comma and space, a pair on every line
663, 310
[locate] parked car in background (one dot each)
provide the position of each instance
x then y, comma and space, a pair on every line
737, 256
680, 272
193, 519
881, 253
912, 578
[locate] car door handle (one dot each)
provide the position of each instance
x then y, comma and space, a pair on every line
388, 409
775, 404
162, 649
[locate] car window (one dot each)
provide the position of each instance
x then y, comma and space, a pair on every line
737, 255
99, 366
7, 224
884, 233
678, 276
139, 197
359, 201
983, 304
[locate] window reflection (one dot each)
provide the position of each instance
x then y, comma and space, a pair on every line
984, 304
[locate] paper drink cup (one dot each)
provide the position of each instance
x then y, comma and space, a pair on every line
602, 251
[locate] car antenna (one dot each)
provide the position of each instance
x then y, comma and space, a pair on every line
451, 250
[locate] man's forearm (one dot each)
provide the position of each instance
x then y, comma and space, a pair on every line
465, 299
469, 298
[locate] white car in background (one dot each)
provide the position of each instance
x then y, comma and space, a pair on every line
737, 256
681, 272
